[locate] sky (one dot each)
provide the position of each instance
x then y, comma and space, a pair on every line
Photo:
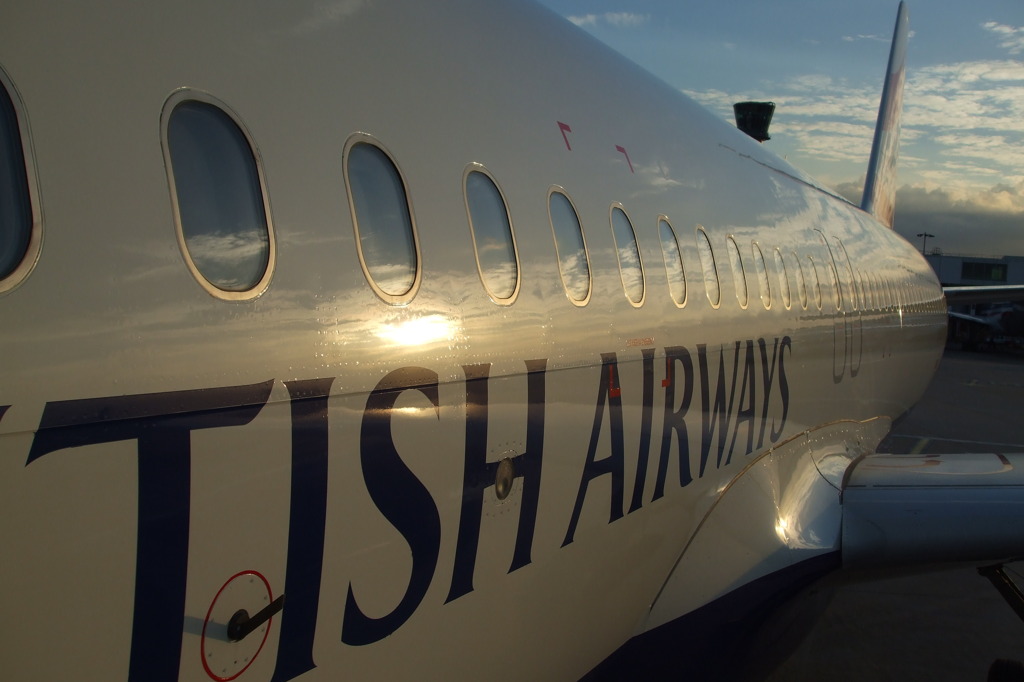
961, 168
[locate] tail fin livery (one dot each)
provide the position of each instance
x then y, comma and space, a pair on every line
880, 187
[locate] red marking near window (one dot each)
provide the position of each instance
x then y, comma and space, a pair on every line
564, 127
623, 150
668, 374
613, 390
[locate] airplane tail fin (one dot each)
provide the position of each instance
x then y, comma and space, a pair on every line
879, 197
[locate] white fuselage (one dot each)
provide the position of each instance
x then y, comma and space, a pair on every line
161, 439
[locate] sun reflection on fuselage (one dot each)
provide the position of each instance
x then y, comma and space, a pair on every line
417, 332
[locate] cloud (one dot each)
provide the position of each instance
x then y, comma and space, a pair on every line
584, 20
989, 222
626, 19
1012, 38
962, 127
875, 38
616, 19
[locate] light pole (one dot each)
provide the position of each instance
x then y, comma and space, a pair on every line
924, 240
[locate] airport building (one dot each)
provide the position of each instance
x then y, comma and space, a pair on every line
974, 270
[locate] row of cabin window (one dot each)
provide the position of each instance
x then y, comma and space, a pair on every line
217, 182
224, 222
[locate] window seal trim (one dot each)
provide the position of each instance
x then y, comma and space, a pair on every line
700, 231
682, 266
34, 247
640, 256
474, 167
737, 277
758, 254
390, 299
785, 292
180, 96
586, 251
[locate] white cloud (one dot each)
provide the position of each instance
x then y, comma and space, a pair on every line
584, 20
963, 124
875, 38
616, 19
626, 19
1012, 38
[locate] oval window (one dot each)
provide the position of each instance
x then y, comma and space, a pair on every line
19, 231
801, 281
707, 263
388, 250
784, 290
570, 248
493, 241
630, 268
673, 263
220, 207
847, 270
762, 276
738, 276
833, 273
815, 283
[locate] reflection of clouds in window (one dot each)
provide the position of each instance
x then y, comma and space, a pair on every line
569, 245
492, 234
707, 264
673, 263
738, 275
15, 204
223, 258
383, 222
630, 268
780, 267
575, 275
762, 276
220, 200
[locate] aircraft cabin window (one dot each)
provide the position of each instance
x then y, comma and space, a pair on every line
570, 247
493, 241
801, 281
19, 231
707, 263
865, 291
631, 268
673, 262
815, 282
833, 274
762, 276
784, 290
844, 257
217, 187
739, 278
382, 215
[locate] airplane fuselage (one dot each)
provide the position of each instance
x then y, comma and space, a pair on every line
440, 471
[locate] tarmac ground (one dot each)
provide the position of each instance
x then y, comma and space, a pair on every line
947, 625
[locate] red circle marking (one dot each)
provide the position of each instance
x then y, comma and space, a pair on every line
202, 641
